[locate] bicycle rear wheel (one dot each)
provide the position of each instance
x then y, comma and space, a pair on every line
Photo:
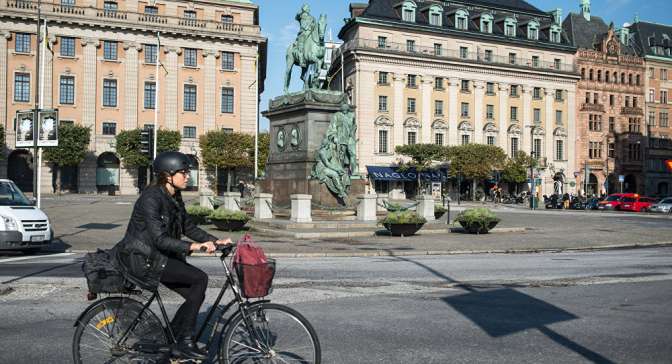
98, 331
278, 334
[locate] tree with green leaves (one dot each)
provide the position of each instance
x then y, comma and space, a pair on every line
264, 140
128, 146
228, 151
73, 144
475, 161
515, 169
421, 156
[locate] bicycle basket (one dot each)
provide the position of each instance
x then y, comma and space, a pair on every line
256, 280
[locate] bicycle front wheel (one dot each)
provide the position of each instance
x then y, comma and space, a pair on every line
99, 330
276, 334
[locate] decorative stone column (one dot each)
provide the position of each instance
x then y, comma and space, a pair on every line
131, 85
550, 122
366, 209
526, 130
453, 110
504, 116
210, 90
301, 209
426, 207
4, 40
171, 88
231, 201
398, 91
89, 92
262, 206
427, 112
479, 93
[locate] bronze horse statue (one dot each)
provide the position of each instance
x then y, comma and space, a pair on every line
312, 54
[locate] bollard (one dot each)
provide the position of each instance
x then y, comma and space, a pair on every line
366, 209
301, 208
448, 212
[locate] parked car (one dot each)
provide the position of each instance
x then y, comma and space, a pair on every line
23, 226
636, 203
612, 202
664, 206
593, 203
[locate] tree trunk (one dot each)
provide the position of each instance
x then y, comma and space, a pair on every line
228, 179
58, 179
473, 189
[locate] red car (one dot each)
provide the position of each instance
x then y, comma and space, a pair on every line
635, 202
612, 202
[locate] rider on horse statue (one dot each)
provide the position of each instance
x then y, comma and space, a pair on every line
307, 24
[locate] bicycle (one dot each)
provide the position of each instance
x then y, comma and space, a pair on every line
121, 329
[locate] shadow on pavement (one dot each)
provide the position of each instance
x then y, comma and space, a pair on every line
505, 311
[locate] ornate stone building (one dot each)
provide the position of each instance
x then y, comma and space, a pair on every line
458, 72
100, 70
653, 43
610, 123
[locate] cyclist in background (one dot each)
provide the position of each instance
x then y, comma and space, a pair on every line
152, 252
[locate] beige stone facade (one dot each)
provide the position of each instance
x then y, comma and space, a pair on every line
658, 110
100, 70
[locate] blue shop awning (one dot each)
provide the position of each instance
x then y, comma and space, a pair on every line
394, 174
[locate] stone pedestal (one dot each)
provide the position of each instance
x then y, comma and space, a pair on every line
426, 207
298, 122
231, 201
301, 208
366, 210
262, 206
205, 199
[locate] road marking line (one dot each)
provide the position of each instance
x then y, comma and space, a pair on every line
35, 257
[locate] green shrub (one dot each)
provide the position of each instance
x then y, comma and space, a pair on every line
196, 210
224, 214
394, 207
479, 219
403, 217
438, 209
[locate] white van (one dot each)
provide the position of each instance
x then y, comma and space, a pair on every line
22, 225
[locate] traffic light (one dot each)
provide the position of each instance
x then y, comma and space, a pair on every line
147, 142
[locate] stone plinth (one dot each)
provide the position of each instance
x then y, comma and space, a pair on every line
301, 211
366, 210
426, 207
205, 199
262, 206
231, 200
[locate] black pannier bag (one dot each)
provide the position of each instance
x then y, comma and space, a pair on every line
101, 274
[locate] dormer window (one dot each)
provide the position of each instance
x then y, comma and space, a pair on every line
486, 23
408, 11
554, 34
533, 30
510, 27
435, 15
461, 19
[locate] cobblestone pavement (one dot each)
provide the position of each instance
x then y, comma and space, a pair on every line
86, 222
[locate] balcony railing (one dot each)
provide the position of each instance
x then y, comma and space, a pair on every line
450, 54
592, 107
628, 110
120, 16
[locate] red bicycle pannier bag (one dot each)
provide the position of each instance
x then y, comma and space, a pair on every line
255, 272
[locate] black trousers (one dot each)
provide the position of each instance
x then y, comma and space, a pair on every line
190, 283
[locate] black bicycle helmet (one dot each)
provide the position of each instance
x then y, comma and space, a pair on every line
171, 162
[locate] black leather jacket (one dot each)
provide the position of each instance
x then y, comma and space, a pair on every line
154, 231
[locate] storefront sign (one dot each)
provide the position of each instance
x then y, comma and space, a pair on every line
394, 174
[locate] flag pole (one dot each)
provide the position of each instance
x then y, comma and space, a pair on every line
41, 105
156, 94
37, 106
256, 117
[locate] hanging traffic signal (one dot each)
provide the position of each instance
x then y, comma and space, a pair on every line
147, 142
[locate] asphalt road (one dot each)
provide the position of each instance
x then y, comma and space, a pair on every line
599, 307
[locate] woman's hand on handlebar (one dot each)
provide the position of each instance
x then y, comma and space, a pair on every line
208, 247
226, 241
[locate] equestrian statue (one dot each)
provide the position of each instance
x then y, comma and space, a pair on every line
308, 50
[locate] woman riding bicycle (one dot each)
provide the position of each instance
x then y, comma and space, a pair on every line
152, 252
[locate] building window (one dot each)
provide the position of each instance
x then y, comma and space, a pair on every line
465, 110
533, 30
382, 103
606, 77
486, 23
189, 97
438, 138
227, 130
536, 148
410, 105
559, 150
490, 112
595, 150
228, 61
536, 93
412, 137
535, 61
638, 80
558, 117
634, 101
409, 15
150, 95
652, 73
67, 90
382, 141
633, 125
663, 74
583, 73
512, 58
22, 87
612, 100
464, 52
410, 45
663, 96
190, 59
612, 124
590, 75
110, 6
227, 100
189, 14
22, 44
382, 78
110, 93
109, 128
558, 95
151, 10
510, 27
67, 47
490, 140
227, 19
435, 15
150, 51
110, 50
487, 56
189, 132
464, 86
652, 118
67, 3
461, 19
438, 83
382, 42
514, 91
514, 113
514, 146
437, 49
537, 116
438, 107
652, 95
630, 79
595, 122
411, 81
465, 139
634, 152
555, 36
663, 119
611, 151
599, 75
490, 88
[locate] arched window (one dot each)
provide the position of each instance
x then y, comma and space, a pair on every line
408, 11
599, 75
462, 19
606, 76
435, 15
615, 77
486, 23
560, 144
466, 132
490, 132
513, 140
107, 172
533, 30
510, 25
583, 73
623, 77
383, 135
590, 75
412, 131
638, 80
630, 79
439, 132
554, 34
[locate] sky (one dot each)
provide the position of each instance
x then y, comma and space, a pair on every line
278, 25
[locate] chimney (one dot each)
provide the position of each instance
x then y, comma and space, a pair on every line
357, 9
585, 9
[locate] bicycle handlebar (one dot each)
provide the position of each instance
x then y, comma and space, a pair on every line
225, 249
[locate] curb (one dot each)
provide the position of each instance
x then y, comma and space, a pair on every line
384, 253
